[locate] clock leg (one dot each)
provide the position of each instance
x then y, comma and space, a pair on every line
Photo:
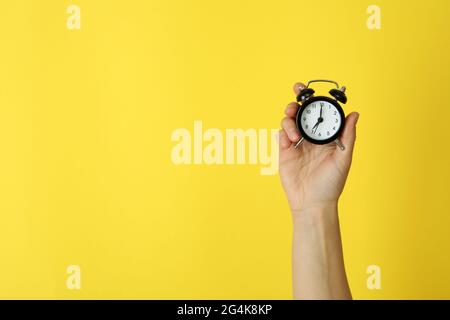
298, 143
340, 145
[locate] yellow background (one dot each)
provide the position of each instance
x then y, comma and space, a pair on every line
86, 117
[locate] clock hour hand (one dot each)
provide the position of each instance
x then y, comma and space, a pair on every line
314, 129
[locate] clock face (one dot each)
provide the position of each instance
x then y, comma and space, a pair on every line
320, 120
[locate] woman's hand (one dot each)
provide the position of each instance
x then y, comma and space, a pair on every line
313, 176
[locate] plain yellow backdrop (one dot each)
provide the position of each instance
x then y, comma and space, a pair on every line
86, 117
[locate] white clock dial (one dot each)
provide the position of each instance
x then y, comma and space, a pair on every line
320, 120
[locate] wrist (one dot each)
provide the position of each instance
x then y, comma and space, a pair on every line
315, 213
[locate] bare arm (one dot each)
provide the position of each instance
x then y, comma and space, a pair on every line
317, 261
313, 178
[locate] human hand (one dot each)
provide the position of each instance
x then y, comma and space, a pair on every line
313, 176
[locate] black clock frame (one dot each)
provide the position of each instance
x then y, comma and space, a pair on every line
302, 108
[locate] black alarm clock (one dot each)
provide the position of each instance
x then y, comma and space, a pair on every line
320, 119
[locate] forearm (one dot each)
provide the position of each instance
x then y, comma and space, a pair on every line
318, 264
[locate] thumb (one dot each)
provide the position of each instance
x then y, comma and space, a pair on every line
348, 136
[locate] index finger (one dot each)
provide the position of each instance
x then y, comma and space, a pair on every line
298, 87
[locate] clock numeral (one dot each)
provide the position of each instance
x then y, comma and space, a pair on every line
306, 126
304, 118
336, 120
328, 133
335, 112
334, 128
321, 104
308, 111
320, 134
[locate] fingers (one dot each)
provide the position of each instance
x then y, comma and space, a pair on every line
291, 110
297, 87
288, 124
348, 136
289, 133
285, 143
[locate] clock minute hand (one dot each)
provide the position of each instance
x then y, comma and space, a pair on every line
319, 120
